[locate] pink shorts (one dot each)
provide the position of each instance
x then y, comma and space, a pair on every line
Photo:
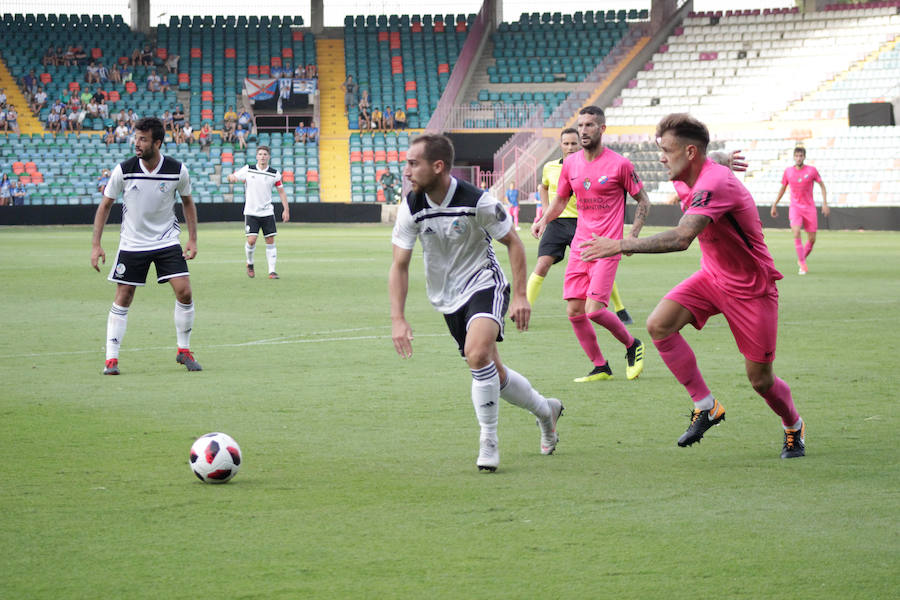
804, 216
590, 280
753, 321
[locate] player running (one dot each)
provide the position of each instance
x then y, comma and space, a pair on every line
455, 222
600, 180
149, 234
258, 210
560, 231
802, 212
736, 278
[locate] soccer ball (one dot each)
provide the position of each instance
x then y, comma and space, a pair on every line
215, 458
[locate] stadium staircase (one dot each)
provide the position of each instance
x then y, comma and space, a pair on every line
27, 122
334, 143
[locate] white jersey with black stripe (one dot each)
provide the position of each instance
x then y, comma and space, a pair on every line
456, 239
260, 183
148, 202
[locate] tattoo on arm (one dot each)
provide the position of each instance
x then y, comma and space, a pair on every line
640, 213
673, 240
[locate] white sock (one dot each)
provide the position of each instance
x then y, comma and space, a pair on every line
116, 323
271, 255
249, 250
793, 427
184, 323
517, 390
486, 398
705, 404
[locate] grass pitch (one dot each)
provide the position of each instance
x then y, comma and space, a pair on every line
359, 478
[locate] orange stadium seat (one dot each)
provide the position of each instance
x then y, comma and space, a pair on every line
253, 70
356, 156
230, 53
30, 167
130, 87
162, 53
196, 53
287, 53
288, 176
46, 78
276, 61
96, 53
18, 167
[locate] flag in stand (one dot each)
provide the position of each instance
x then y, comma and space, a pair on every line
261, 89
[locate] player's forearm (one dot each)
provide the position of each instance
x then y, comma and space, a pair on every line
190, 216
667, 241
640, 213
398, 288
518, 265
555, 209
780, 194
100, 218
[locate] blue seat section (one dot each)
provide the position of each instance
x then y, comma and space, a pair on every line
371, 154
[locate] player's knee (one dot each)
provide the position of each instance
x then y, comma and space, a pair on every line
761, 381
478, 357
657, 327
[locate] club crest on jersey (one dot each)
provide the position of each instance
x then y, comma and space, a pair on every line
586, 184
162, 187
458, 227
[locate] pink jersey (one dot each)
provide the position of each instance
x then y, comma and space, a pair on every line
734, 250
599, 187
801, 183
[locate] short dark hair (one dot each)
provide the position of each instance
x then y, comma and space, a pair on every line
437, 147
595, 111
685, 128
266, 148
567, 131
154, 126
800, 149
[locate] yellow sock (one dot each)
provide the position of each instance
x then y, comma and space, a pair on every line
615, 299
533, 288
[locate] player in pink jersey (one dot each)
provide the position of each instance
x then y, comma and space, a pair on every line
802, 213
736, 278
600, 180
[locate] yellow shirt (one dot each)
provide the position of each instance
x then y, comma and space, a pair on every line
230, 116
550, 179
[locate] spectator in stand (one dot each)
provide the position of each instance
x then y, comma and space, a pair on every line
12, 118
299, 72
147, 56
126, 73
2, 97
246, 120
76, 118
102, 181
69, 56
300, 133
3, 126
312, 133
60, 56
185, 135
115, 76
152, 82
93, 73
135, 58
131, 117
164, 84
5, 191
19, 194
121, 115
93, 111
30, 83
350, 89
178, 117
168, 122
228, 128
276, 71
85, 96
53, 122
241, 135
103, 108
311, 71
400, 118
230, 115
109, 137
49, 58
39, 100
205, 137
64, 120
102, 72
122, 132
377, 118
172, 63
80, 55
387, 120
98, 95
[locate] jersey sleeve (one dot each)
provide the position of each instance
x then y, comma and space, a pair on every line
184, 182
491, 214
708, 197
545, 177
563, 187
404, 233
241, 174
115, 184
630, 178
784, 178
816, 176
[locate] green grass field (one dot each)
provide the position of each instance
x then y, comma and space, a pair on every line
359, 478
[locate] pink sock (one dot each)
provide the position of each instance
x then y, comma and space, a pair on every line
807, 249
609, 320
680, 359
779, 400
801, 254
584, 331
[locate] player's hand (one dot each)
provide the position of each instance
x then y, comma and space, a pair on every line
286, 215
520, 312
774, 211
738, 161
190, 250
537, 229
599, 247
97, 254
402, 335
826, 210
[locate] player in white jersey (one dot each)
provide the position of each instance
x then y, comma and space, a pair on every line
455, 222
258, 210
149, 234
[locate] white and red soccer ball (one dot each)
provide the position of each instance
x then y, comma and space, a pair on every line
215, 458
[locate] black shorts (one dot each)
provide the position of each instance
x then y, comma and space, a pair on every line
557, 237
252, 225
131, 267
490, 303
